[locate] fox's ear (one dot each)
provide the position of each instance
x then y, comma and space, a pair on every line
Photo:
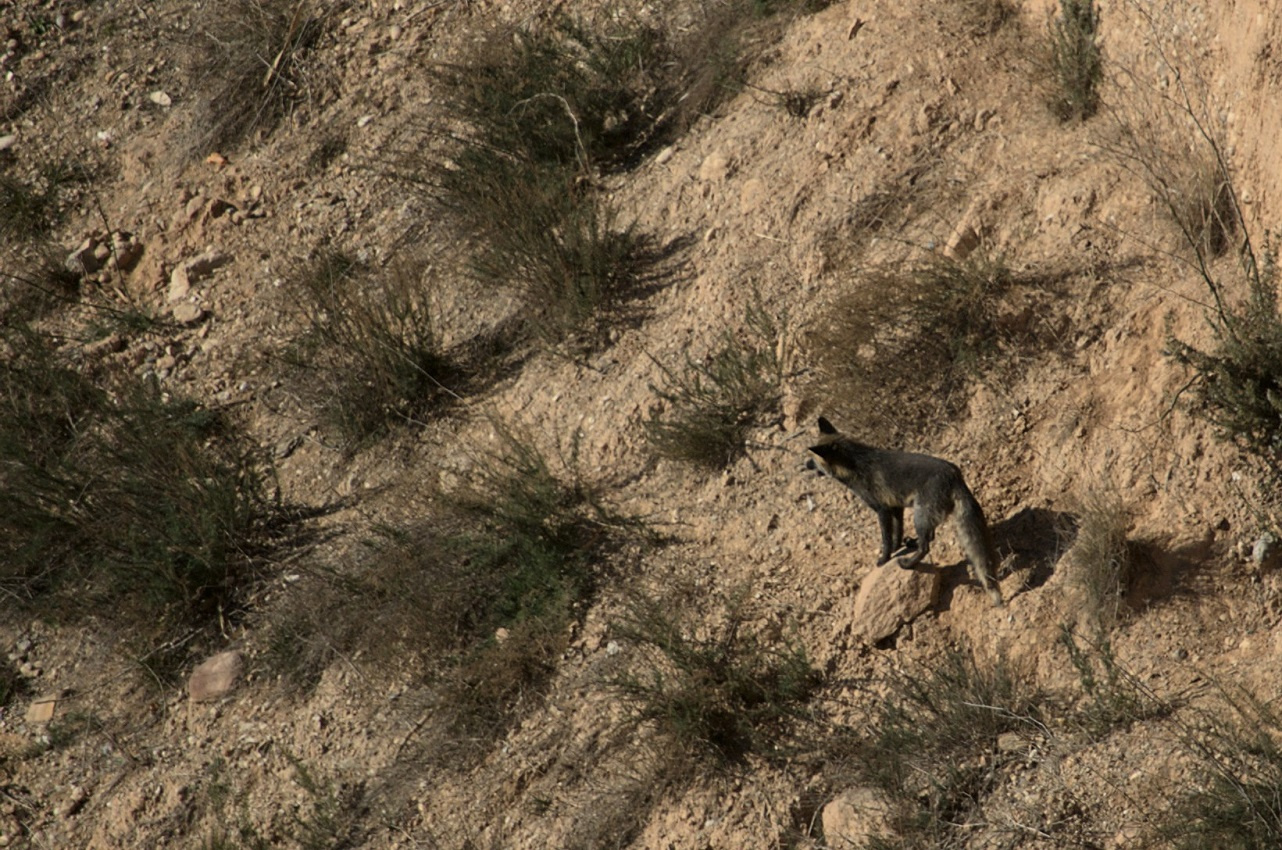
825, 427
823, 450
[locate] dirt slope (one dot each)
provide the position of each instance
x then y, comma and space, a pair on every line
753, 200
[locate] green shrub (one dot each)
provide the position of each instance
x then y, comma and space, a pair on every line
1238, 383
370, 354
1075, 64
710, 407
721, 688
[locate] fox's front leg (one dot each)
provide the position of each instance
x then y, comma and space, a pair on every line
892, 532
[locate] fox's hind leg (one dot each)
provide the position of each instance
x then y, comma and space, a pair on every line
924, 521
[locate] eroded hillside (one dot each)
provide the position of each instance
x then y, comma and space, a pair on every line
394, 354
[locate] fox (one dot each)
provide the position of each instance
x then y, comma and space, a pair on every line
889, 481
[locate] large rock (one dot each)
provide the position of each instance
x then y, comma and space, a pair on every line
856, 818
890, 597
215, 677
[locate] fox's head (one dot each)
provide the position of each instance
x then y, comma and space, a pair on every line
826, 452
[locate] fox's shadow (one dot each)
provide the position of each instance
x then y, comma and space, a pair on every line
1030, 542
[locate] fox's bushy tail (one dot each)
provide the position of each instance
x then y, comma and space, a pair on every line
976, 540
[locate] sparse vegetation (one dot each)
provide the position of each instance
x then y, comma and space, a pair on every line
535, 117
711, 59
525, 562
12, 684
562, 97
933, 749
710, 407
466, 661
1074, 62
134, 502
985, 17
726, 690
1114, 698
553, 243
899, 347
1236, 802
34, 280
370, 354
482, 588
1236, 379
248, 66
25, 211
331, 821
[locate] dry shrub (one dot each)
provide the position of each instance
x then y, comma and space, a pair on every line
247, 63
933, 748
122, 501
370, 354
1169, 134
1235, 800
724, 689
480, 589
899, 347
1100, 559
710, 406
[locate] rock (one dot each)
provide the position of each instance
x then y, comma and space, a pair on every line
205, 264
161, 99
753, 196
179, 284
1266, 554
1011, 742
7, 141
714, 168
84, 260
187, 313
73, 802
126, 250
194, 206
963, 241
856, 818
110, 344
215, 677
967, 235
890, 597
287, 446
42, 709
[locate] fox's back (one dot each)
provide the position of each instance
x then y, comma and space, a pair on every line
891, 479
